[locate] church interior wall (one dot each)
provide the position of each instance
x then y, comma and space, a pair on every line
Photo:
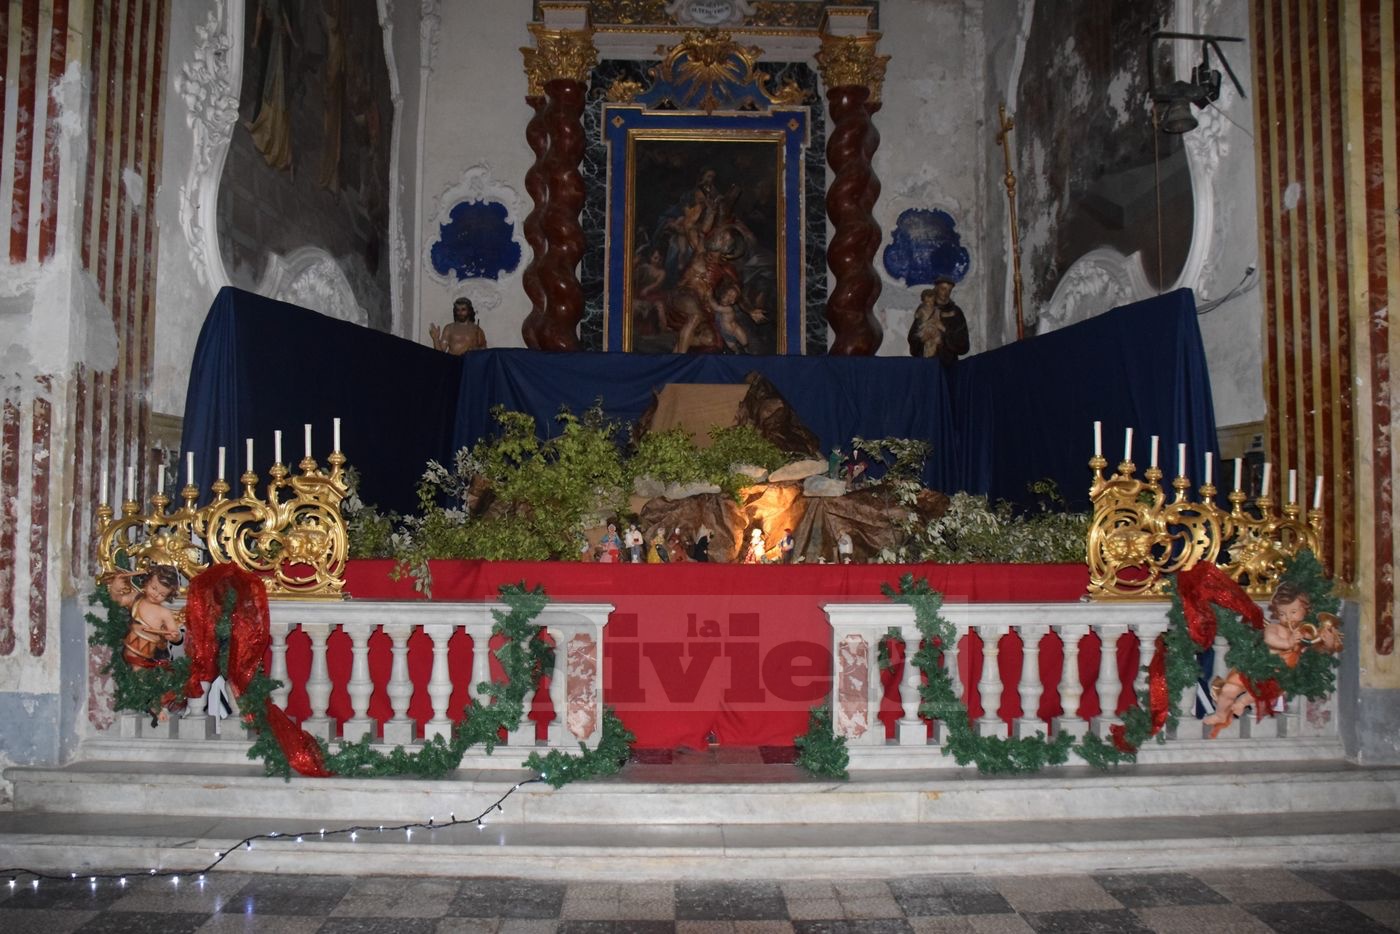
474, 147
934, 130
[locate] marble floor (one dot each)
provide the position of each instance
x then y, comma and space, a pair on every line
1316, 900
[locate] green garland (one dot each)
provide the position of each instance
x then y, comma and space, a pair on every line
141, 690
820, 750
525, 657
1313, 677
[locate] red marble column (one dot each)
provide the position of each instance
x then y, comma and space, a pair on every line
850, 309
558, 270
537, 187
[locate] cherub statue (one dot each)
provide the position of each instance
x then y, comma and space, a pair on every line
1287, 635
154, 627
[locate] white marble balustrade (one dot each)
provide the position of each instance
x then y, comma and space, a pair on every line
575, 687
1306, 730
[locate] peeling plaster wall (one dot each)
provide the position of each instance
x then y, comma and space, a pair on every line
182, 296
474, 139
934, 131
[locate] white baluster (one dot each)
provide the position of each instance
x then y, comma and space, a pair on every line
555, 732
1147, 634
360, 687
989, 684
910, 730
318, 683
524, 734
278, 630
481, 658
951, 654
1108, 686
399, 729
196, 723
1029, 723
440, 682
1071, 691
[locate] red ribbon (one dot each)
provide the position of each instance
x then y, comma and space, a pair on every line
247, 648
1157, 700
1203, 586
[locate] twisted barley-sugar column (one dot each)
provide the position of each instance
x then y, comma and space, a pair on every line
562, 231
537, 187
853, 74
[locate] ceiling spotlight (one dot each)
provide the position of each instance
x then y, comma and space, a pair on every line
1175, 98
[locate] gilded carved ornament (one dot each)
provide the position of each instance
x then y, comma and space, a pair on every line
851, 61
563, 54
534, 71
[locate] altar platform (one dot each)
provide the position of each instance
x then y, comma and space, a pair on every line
718, 814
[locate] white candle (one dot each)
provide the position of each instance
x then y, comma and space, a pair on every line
277, 446
1268, 472
1239, 471
1181, 460
102, 497
221, 462
1210, 467
306, 432
130, 482
1155, 440
1317, 494
1098, 439
335, 427
160, 479
1292, 486
249, 444
1128, 445
189, 468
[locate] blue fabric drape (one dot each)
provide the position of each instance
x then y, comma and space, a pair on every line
995, 422
1025, 411
261, 365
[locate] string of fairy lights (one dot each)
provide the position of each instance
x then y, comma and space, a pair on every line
15, 877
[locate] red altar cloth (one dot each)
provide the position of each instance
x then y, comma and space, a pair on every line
737, 652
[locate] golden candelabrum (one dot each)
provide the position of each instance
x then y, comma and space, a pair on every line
1140, 535
293, 537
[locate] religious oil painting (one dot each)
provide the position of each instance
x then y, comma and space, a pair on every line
705, 244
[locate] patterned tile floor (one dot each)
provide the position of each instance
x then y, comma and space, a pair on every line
1347, 901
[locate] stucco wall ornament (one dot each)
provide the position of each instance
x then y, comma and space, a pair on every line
208, 85
1099, 281
311, 277
477, 185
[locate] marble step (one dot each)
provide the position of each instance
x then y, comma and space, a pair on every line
729, 793
87, 843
